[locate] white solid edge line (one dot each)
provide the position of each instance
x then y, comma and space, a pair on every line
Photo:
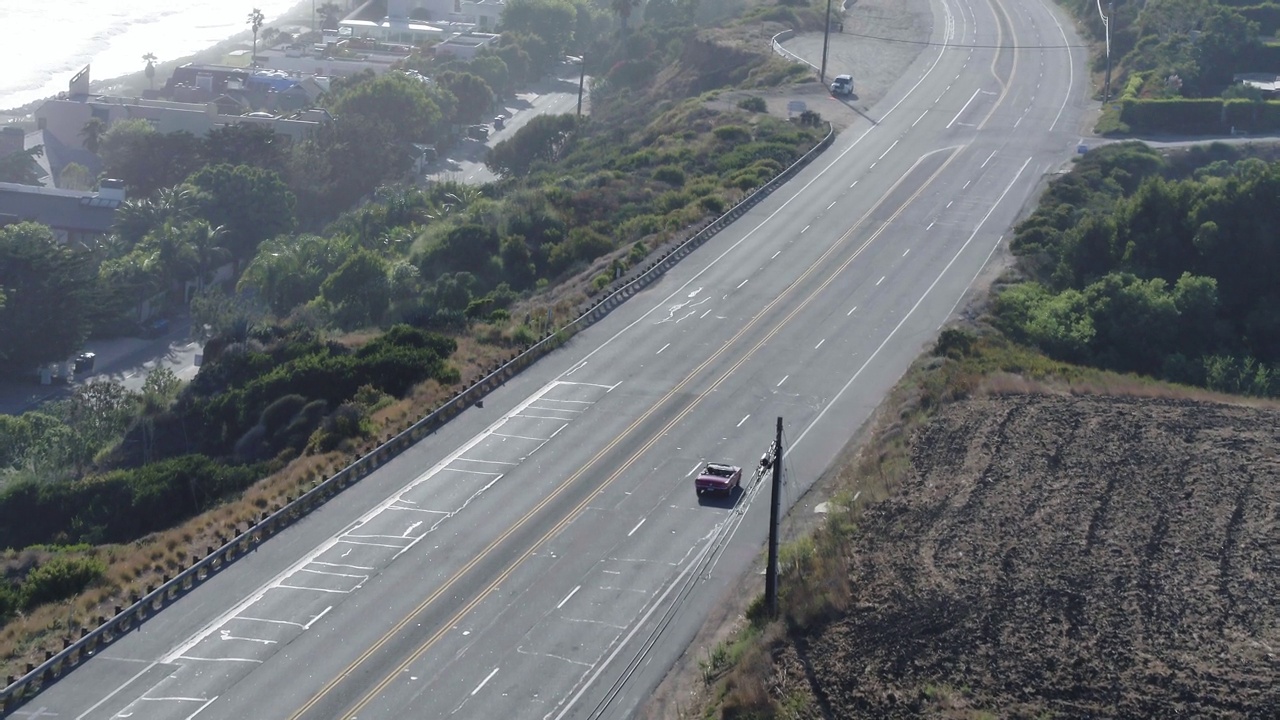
910, 312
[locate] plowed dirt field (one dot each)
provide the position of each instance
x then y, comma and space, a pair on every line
1066, 557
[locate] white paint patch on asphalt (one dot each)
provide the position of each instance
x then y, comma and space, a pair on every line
572, 593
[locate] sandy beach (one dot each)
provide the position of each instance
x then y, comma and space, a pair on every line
133, 84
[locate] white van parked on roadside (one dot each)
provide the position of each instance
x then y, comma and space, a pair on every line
843, 85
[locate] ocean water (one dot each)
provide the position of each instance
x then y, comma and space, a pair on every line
46, 42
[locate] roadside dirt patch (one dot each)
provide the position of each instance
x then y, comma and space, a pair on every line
1070, 556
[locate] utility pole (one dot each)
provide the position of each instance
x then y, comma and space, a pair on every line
826, 39
1106, 25
771, 572
582, 78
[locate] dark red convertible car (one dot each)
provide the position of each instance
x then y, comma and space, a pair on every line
718, 478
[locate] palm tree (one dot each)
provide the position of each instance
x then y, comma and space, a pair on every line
150, 72
135, 218
167, 253
623, 8
255, 21
206, 249
92, 133
176, 203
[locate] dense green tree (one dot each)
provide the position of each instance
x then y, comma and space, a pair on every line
516, 58
215, 313
96, 414
377, 117
252, 205
493, 70
517, 262
287, 271
168, 255
136, 217
551, 20
243, 144
147, 160
207, 251
1226, 46
469, 248
475, 99
401, 107
127, 283
532, 54
358, 291
75, 176
91, 134
540, 139
21, 167
52, 298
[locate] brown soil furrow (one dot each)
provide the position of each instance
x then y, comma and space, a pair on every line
1072, 556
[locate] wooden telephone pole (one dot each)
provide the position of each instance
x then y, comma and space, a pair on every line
771, 572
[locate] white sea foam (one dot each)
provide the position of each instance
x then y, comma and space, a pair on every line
46, 42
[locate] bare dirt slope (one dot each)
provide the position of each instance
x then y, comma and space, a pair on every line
1065, 557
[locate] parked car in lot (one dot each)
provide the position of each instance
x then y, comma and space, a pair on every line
718, 478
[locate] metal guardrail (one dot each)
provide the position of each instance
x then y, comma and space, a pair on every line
74, 653
777, 48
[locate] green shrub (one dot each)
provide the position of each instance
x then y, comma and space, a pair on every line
1182, 115
637, 253
640, 226
669, 174
754, 103
9, 601
713, 203
672, 200
344, 423
60, 578
118, 506
524, 336
745, 155
732, 134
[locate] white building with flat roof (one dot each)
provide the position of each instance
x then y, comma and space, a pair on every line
465, 46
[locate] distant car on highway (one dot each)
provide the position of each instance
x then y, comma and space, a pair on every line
718, 478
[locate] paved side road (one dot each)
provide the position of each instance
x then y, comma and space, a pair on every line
465, 162
127, 360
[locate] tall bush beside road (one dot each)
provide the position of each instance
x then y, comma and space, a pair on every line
52, 295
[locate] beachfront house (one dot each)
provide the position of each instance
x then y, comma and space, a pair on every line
78, 218
218, 97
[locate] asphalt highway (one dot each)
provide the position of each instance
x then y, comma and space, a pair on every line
545, 556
